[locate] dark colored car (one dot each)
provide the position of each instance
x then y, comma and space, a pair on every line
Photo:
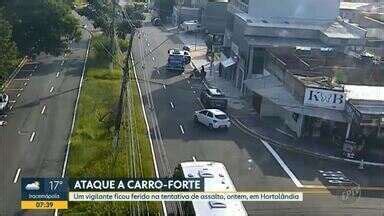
213, 98
155, 21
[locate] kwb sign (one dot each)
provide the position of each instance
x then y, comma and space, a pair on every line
324, 98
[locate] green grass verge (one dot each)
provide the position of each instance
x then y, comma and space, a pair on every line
91, 152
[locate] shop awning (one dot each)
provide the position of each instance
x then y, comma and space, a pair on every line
228, 62
270, 88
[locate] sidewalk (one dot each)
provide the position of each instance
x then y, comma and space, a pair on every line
269, 129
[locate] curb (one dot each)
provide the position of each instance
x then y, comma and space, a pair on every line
299, 150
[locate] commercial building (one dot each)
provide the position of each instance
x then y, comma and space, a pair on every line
320, 93
211, 14
254, 26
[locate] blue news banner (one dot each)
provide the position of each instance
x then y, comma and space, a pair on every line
53, 193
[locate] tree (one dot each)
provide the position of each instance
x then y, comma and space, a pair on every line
101, 13
42, 26
8, 51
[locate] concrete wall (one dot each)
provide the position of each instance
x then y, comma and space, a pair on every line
269, 109
213, 17
185, 14
281, 32
321, 10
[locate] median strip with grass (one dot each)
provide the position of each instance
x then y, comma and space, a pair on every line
91, 153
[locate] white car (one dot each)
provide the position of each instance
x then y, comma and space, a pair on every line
3, 102
213, 118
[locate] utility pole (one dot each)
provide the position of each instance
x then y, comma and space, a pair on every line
123, 89
113, 32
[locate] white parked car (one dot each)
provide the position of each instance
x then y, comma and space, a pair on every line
213, 118
4, 99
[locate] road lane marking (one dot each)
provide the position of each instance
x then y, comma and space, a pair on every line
25, 83
21, 79
10, 108
194, 159
173, 106
164, 87
17, 175
12, 101
51, 90
282, 164
18, 95
32, 137
35, 67
43, 110
62, 63
153, 58
57, 74
181, 129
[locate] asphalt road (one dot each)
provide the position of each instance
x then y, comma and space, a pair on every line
170, 100
33, 143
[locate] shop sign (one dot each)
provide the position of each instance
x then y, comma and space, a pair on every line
324, 98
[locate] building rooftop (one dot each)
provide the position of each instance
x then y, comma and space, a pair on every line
368, 107
352, 5
360, 92
336, 30
329, 67
280, 22
216, 179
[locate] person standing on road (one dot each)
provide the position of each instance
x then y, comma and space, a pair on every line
202, 73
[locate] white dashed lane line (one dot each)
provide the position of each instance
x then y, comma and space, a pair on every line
43, 110
282, 164
173, 106
57, 74
181, 129
17, 175
62, 63
32, 137
164, 87
51, 90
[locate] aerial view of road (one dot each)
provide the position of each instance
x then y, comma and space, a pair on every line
168, 108
170, 100
33, 143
